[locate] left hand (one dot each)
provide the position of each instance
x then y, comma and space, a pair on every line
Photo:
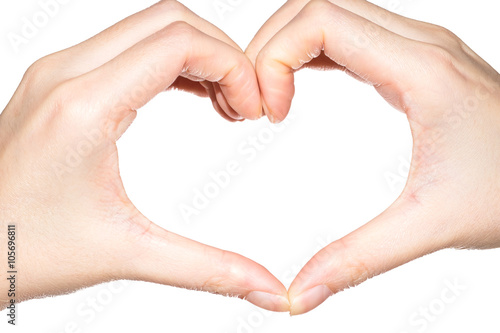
451, 98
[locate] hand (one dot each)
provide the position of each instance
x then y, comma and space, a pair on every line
59, 165
451, 98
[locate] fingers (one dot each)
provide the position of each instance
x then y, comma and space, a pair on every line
211, 93
166, 258
202, 89
184, 84
222, 101
108, 44
275, 23
131, 79
351, 41
395, 237
398, 24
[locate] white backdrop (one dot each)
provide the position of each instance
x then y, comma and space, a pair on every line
340, 161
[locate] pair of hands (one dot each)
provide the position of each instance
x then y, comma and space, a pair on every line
59, 164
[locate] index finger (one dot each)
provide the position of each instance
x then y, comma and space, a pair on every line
351, 41
391, 21
134, 77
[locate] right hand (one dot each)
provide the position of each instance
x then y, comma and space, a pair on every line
77, 223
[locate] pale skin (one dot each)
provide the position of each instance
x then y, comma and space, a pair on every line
450, 96
77, 225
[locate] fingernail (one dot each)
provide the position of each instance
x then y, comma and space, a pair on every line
268, 301
257, 117
309, 299
270, 116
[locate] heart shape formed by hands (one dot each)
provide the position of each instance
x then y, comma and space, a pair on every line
449, 94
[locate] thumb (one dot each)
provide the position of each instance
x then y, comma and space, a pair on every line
160, 256
394, 238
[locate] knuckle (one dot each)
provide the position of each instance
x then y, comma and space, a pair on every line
354, 266
444, 36
39, 72
319, 9
67, 101
262, 58
224, 264
358, 272
178, 35
325, 13
173, 8
181, 28
439, 53
181, 31
441, 59
214, 284
267, 58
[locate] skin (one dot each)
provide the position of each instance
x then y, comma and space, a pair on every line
82, 211
451, 98
78, 226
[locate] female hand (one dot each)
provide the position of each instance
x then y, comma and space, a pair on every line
60, 183
451, 98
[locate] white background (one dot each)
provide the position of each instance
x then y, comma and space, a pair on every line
323, 176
